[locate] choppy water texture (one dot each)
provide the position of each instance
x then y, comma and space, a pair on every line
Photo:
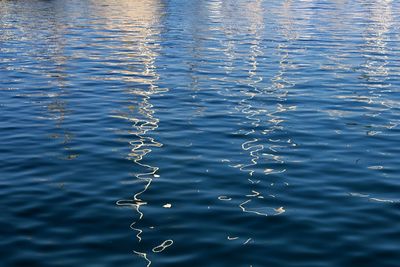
199, 133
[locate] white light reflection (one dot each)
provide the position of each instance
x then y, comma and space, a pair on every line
138, 22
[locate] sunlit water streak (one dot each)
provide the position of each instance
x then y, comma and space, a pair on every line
259, 143
143, 119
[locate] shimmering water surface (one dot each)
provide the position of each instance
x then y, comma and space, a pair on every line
199, 133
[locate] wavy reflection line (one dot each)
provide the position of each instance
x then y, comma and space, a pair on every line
253, 91
375, 70
163, 246
141, 44
140, 148
255, 24
250, 211
251, 97
143, 255
139, 231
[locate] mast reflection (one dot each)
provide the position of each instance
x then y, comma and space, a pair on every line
140, 37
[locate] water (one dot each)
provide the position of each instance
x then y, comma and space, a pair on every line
199, 133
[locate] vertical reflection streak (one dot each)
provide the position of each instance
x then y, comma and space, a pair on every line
253, 25
141, 42
262, 126
375, 69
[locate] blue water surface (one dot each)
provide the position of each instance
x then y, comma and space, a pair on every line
200, 133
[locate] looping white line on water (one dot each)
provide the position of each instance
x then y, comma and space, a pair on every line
224, 198
164, 245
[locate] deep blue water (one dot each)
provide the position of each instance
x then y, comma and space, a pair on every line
200, 133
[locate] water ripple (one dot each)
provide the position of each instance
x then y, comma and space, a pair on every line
199, 133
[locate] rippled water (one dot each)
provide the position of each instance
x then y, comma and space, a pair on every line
199, 133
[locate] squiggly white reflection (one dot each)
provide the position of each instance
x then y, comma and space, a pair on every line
140, 19
163, 245
143, 255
